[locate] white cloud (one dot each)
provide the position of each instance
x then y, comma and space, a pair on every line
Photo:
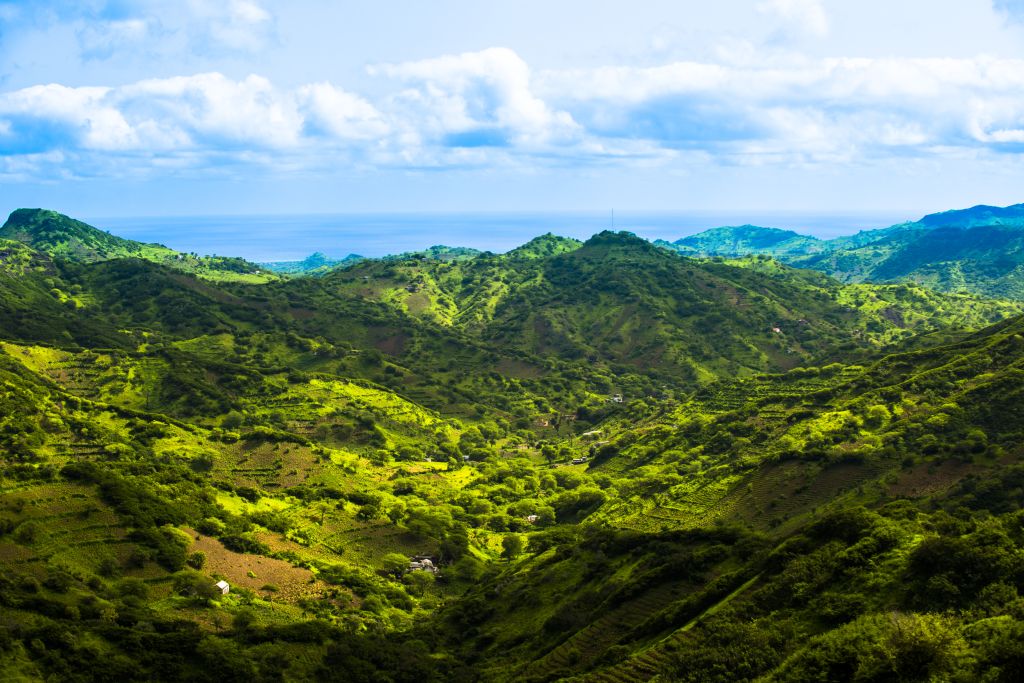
109, 28
810, 109
802, 17
484, 97
205, 119
86, 119
340, 114
488, 109
102, 39
215, 109
234, 24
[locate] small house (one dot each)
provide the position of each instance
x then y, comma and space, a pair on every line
223, 587
616, 398
532, 519
422, 563
580, 460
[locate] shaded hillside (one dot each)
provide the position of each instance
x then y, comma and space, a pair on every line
977, 250
985, 260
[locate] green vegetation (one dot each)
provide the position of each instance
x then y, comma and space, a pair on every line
977, 251
594, 461
65, 238
746, 240
313, 265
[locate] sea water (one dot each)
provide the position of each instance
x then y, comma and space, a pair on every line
293, 237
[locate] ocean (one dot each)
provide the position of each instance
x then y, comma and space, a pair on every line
293, 237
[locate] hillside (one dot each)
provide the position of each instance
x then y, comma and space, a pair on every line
976, 216
745, 240
795, 527
985, 260
64, 238
618, 301
624, 464
977, 251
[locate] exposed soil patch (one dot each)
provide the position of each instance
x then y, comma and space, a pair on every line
894, 316
393, 345
927, 480
292, 582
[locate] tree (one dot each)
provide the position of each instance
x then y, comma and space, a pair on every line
395, 564
192, 584
196, 560
419, 582
511, 546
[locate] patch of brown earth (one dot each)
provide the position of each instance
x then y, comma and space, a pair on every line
292, 583
927, 480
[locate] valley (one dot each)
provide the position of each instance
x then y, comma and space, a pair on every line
745, 455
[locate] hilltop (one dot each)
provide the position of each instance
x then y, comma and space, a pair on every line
64, 238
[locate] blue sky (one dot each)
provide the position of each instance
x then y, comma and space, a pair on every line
149, 107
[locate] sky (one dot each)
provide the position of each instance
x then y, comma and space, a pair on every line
240, 107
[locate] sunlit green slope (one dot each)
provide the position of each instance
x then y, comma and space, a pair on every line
65, 238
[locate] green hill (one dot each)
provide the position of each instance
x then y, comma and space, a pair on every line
745, 240
545, 246
976, 216
985, 260
790, 527
65, 238
976, 250
625, 465
619, 302
315, 264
